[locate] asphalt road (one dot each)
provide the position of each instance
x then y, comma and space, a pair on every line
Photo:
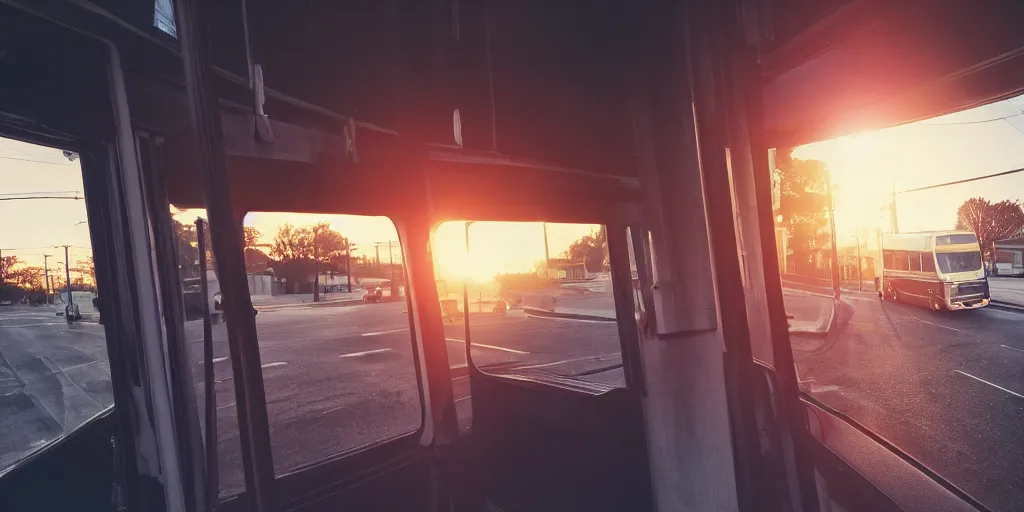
341, 377
946, 388
53, 377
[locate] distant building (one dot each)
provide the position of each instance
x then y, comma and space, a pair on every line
563, 269
1009, 257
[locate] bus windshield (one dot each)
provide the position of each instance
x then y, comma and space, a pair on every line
959, 261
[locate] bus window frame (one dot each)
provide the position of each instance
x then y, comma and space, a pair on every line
625, 308
414, 339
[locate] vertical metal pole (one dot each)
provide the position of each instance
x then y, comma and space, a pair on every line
67, 276
391, 263
250, 397
348, 264
860, 266
547, 255
892, 210
46, 277
209, 389
465, 305
835, 250
316, 272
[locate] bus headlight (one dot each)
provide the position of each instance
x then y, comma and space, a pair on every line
953, 289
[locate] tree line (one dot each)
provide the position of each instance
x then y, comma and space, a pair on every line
293, 253
19, 280
991, 222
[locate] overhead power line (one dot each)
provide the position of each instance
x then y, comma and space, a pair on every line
957, 182
980, 121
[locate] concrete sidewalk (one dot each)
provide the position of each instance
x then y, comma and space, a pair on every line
574, 307
810, 313
268, 302
1007, 291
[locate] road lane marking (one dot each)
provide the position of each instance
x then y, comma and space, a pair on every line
936, 325
270, 365
366, 352
80, 365
385, 332
979, 379
219, 359
225, 405
1012, 348
335, 408
492, 347
457, 400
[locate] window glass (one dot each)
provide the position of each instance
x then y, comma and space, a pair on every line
54, 368
539, 298
187, 232
959, 261
945, 387
967, 238
915, 261
928, 262
332, 319
163, 16
902, 260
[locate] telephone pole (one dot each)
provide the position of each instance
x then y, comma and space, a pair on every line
391, 263
860, 264
67, 275
46, 276
547, 257
316, 272
348, 264
892, 210
832, 222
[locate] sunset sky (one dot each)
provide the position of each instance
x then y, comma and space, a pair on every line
864, 167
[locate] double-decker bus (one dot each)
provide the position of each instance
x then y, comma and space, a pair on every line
940, 269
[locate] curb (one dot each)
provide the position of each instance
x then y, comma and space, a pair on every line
543, 313
341, 302
830, 325
1006, 306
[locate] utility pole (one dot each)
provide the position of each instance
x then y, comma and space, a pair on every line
348, 264
860, 264
547, 257
892, 210
391, 263
46, 276
70, 311
376, 247
316, 272
832, 222
67, 274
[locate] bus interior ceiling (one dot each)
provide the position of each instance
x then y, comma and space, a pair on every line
547, 134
